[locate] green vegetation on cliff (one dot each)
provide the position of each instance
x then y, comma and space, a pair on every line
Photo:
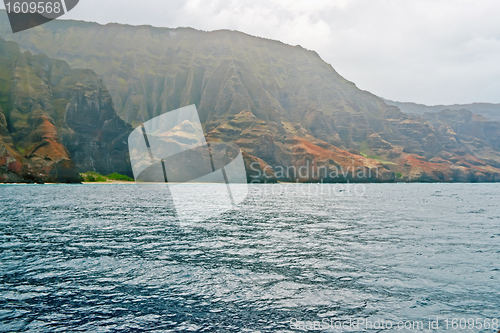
92, 176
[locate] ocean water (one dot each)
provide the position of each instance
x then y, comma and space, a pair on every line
114, 258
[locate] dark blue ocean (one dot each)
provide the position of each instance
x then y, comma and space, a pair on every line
291, 258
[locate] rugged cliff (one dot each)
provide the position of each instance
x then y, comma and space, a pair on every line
282, 104
12, 168
55, 121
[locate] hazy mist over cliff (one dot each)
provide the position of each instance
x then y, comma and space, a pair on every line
429, 52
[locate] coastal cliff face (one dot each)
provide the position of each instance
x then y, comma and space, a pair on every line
94, 135
55, 121
283, 105
12, 168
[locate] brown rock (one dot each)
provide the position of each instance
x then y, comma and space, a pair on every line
375, 141
257, 170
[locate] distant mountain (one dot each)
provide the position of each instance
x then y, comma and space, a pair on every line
283, 105
488, 110
462, 127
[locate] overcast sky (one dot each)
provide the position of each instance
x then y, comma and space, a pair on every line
425, 51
